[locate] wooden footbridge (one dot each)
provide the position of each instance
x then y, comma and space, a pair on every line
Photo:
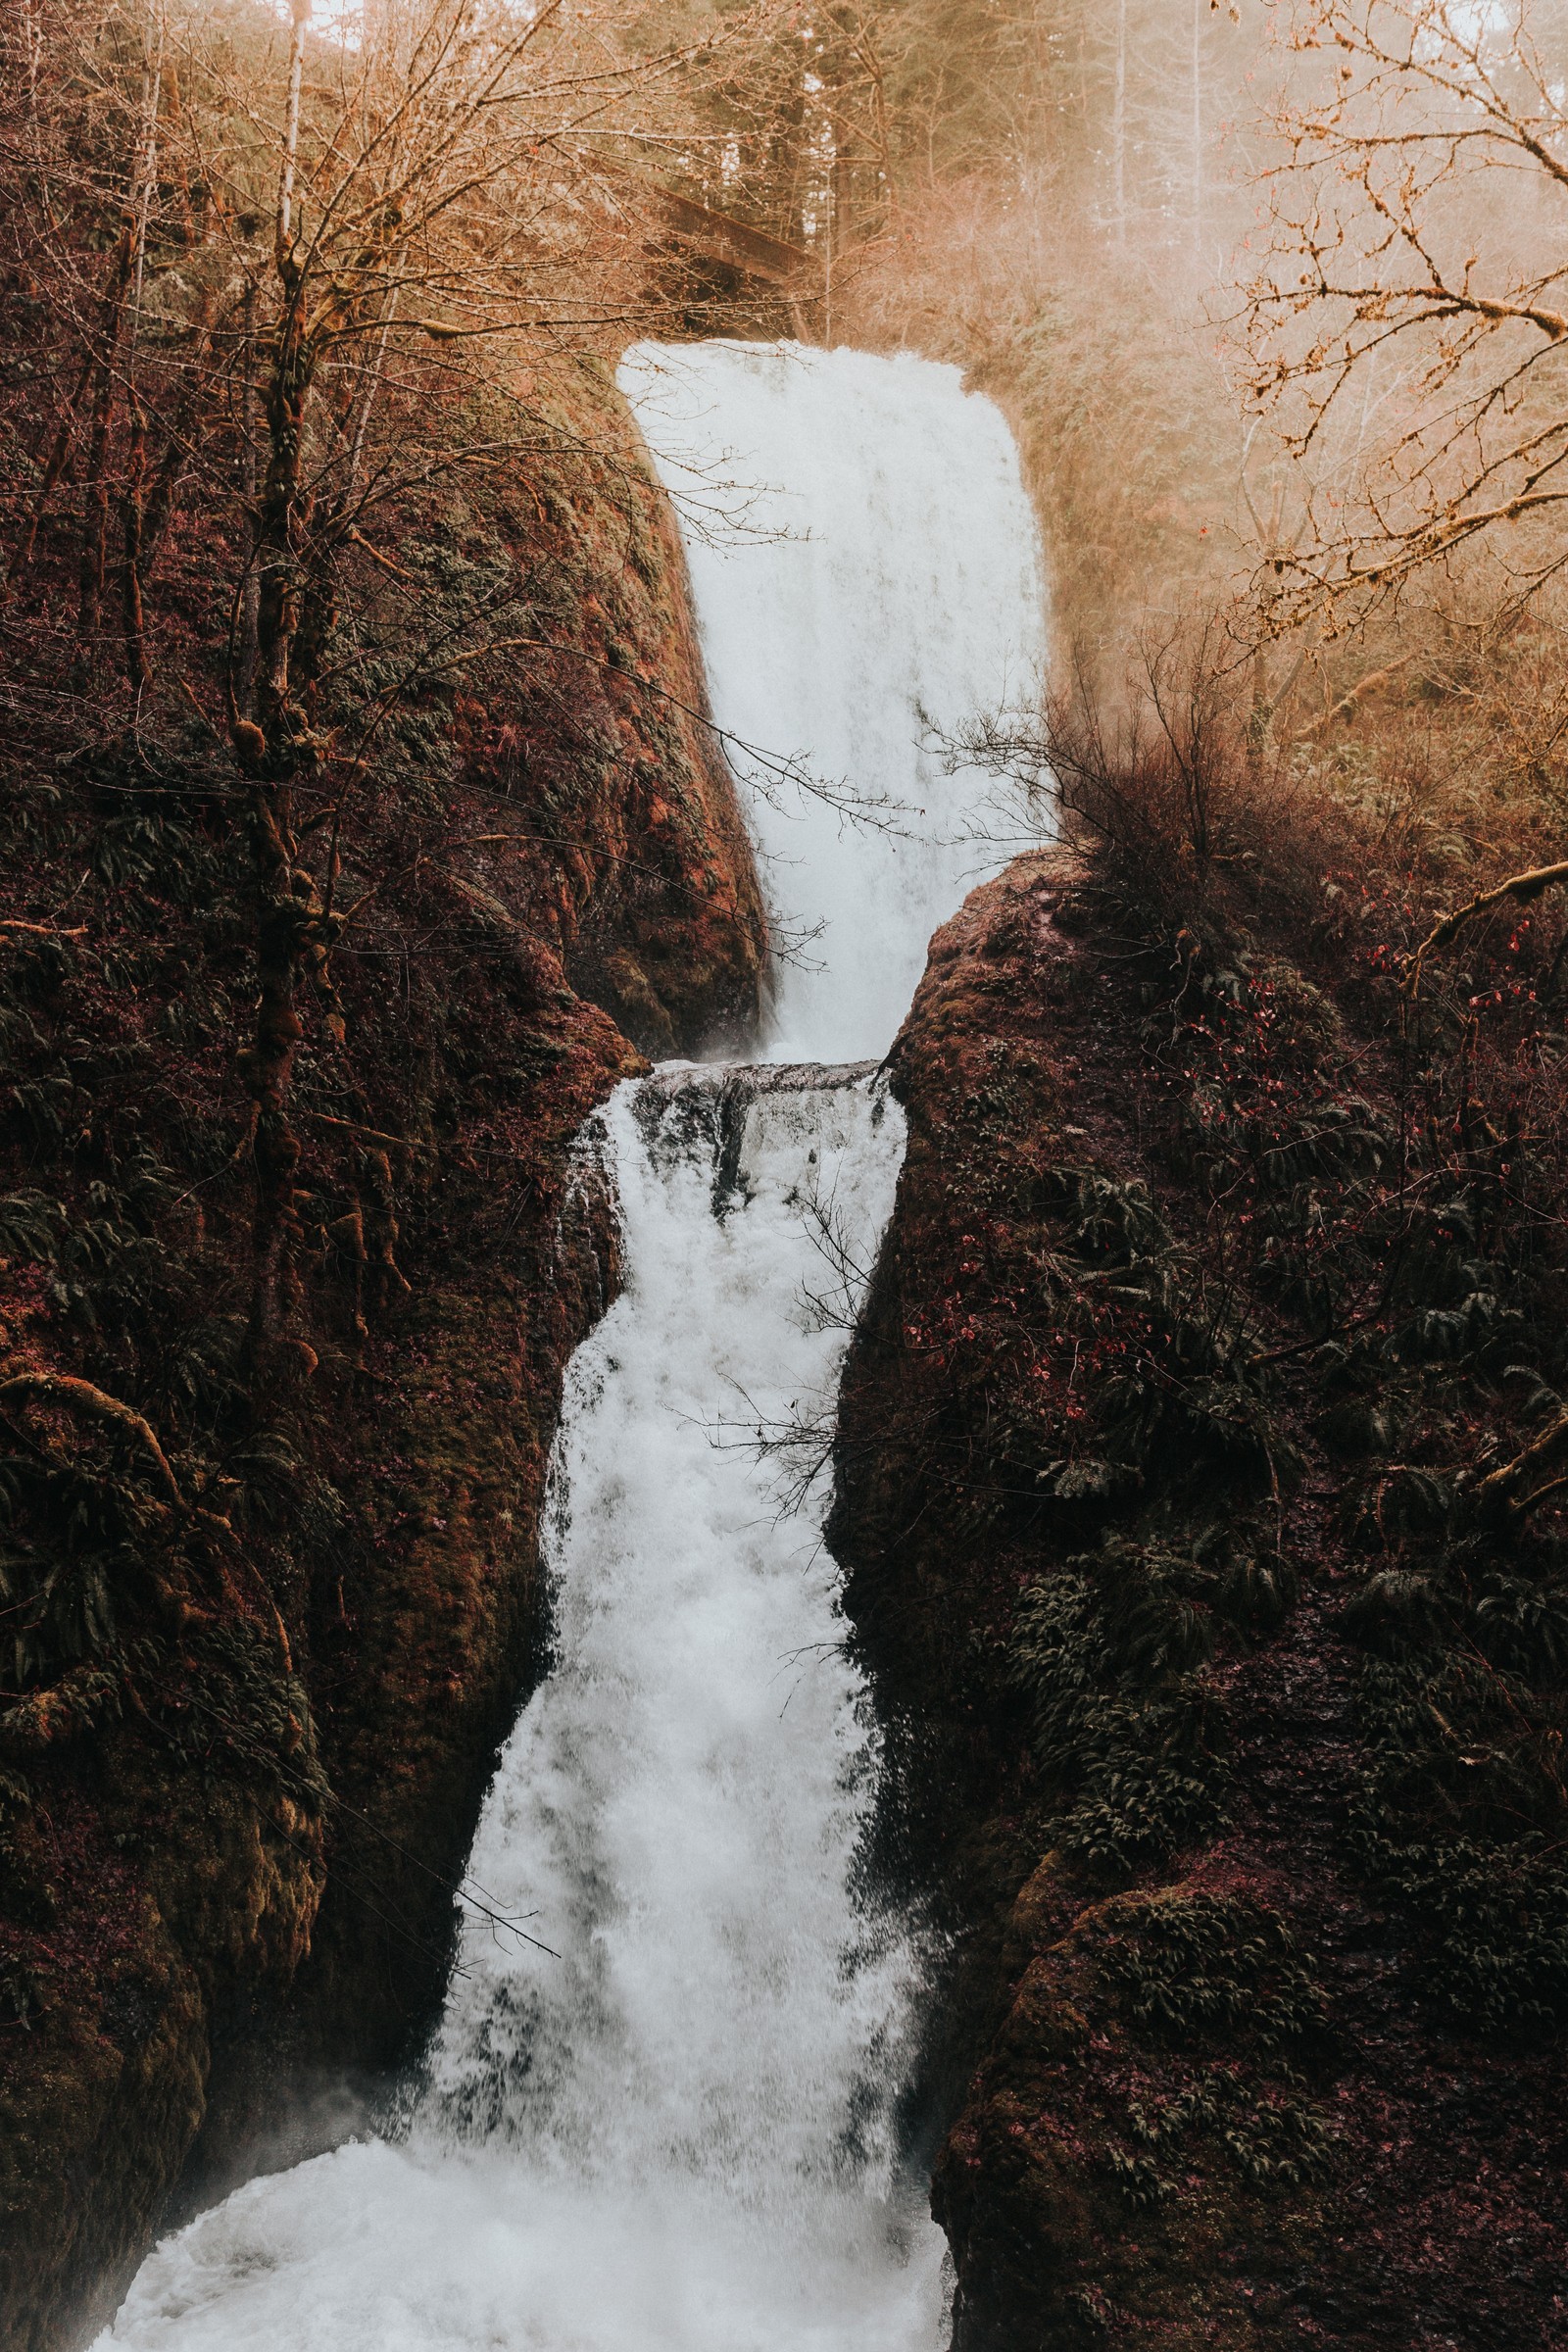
719, 237
710, 235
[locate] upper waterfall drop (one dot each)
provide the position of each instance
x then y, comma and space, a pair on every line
865, 569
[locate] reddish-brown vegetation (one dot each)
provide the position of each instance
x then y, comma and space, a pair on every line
1199, 1503
267, 1609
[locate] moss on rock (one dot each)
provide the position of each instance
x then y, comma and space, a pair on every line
255, 1695
1224, 1710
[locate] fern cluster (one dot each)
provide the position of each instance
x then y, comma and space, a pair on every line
1190, 1964
1109, 1654
1460, 1812
1169, 1389
1195, 1970
1275, 2137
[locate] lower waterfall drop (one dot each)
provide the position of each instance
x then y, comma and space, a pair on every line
675, 2132
670, 2123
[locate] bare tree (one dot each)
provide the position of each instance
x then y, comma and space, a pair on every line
409, 213
292, 281
1118, 129
1408, 324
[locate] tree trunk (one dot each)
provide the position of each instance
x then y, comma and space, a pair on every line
133, 518
250, 484
53, 468
95, 498
276, 750
1118, 129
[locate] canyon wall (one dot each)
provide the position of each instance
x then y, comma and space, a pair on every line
291, 1605
1187, 1474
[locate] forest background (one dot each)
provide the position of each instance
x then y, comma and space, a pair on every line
1268, 292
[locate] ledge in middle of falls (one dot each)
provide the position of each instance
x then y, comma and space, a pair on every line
717, 1099
749, 1079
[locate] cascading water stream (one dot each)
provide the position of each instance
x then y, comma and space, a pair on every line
674, 2131
863, 564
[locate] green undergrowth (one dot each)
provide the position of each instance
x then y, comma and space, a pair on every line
1110, 1654
1459, 1813
1409, 1250
1191, 1965
1228, 2014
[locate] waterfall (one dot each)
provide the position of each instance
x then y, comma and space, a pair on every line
863, 559
664, 2118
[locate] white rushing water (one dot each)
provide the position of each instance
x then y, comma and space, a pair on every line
863, 562
675, 2130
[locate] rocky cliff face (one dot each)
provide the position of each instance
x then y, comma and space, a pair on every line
270, 1626
1200, 1537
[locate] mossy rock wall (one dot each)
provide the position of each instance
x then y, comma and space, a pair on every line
1188, 1627
243, 1748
